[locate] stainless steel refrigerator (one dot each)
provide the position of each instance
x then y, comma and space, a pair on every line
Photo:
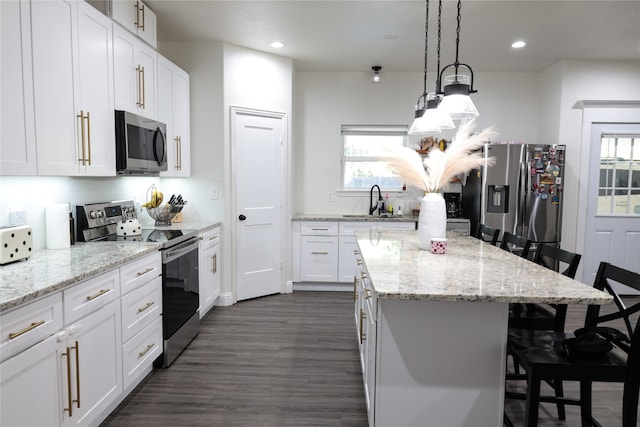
521, 193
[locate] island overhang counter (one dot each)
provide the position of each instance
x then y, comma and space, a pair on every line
432, 329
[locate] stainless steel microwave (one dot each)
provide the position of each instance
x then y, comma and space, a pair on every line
141, 145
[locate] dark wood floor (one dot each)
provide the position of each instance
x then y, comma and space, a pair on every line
287, 360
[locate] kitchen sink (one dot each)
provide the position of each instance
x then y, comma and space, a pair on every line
364, 216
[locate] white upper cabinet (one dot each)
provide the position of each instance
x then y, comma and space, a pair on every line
136, 17
17, 138
73, 92
173, 110
135, 74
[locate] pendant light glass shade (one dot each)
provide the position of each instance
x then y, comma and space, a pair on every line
457, 102
433, 118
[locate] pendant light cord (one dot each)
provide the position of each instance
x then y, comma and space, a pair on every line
457, 63
439, 40
426, 43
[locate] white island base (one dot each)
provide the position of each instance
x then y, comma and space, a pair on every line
439, 363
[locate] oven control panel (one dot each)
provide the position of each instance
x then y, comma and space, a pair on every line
93, 217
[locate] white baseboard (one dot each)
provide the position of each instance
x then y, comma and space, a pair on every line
288, 287
225, 299
321, 286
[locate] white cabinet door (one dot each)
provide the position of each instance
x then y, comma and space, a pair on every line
95, 55
136, 17
54, 40
32, 386
135, 73
347, 262
319, 258
173, 110
72, 83
17, 132
209, 264
96, 347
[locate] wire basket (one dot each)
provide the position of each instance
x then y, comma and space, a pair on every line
164, 213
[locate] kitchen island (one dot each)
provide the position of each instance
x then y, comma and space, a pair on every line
432, 328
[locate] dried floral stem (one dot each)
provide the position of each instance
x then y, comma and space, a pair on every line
439, 167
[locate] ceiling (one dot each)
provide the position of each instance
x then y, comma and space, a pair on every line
355, 35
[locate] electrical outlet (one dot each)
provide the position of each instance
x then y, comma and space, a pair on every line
331, 196
213, 193
18, 217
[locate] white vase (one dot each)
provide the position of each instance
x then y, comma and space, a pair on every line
432, 221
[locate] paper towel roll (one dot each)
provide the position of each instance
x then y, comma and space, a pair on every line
57, 226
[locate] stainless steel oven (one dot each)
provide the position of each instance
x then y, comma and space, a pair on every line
99, 222
180, 297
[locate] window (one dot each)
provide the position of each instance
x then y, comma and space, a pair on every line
361, 148
619, 186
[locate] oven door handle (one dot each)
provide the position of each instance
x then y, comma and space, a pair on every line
178, 250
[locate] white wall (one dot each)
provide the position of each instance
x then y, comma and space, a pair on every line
325, 101
575, 81
256, 81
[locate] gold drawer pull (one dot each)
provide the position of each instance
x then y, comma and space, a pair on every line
99, 294
363, 275
213, 237
319, 253
33, 325
320, 229
367, 293
140, 273
356, 252
149, 304
145, 351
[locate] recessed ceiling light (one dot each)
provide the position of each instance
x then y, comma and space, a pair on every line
276, 45
518, 44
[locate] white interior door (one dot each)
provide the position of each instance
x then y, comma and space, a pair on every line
612, 231
259, 181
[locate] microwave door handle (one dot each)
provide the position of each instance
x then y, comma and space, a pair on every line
159, 146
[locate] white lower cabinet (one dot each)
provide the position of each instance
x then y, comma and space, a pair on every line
323, 250
209, 265
69, 358
94, 357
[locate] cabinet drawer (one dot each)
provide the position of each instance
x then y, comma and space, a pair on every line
90, 295
347, 228
384, 225
29, 324
319, 228
140, 271
140, 307
319, 258
210, 238
140, 352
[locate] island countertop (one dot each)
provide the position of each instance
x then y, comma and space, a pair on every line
471, 270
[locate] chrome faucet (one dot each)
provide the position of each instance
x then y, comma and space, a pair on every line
372, 207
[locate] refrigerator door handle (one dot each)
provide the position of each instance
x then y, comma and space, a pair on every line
519, 226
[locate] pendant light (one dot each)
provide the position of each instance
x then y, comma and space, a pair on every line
421, 124
457, 101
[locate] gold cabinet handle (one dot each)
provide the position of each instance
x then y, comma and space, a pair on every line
367, 293
214, 237
139, 94
214, 263
179, 153
359, 262
147, 305
319, 253
356, 252
31, 327
145, 351
142, 86
100, 293
88, 138
77, 349
320, 229
69, 398
83, 159
355, 284
136, 15
141, 273
363, 275
177, 156
362, 334
142, 10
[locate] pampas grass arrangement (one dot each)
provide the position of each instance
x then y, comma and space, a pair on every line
439, 167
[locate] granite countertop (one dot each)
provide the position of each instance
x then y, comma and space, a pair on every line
471, 270
363, 218
48, 271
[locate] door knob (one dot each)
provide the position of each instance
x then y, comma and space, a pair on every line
242, 217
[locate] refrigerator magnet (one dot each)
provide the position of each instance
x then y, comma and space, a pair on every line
558, 180
544, 196
555, 200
